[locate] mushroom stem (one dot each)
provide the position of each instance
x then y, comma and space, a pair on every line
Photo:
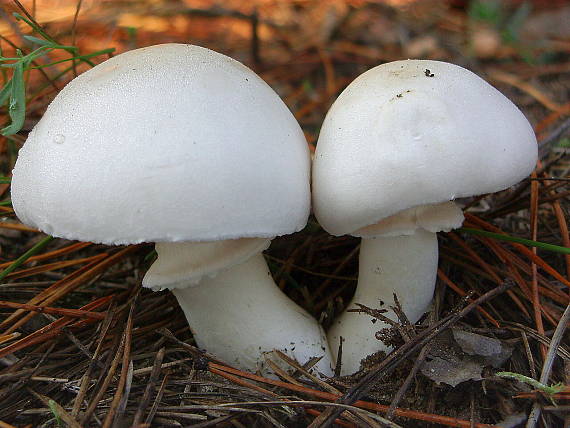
405, 265
239, 313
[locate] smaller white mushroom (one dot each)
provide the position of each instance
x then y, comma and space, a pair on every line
188, 148
399, 144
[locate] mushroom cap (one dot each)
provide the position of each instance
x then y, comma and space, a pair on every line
415, 132
169, 143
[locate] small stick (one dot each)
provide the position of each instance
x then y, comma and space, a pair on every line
124, 369
392, 361
94, 361
548, 362
150, 387
97, 397
405, 413
402, 390
154, 407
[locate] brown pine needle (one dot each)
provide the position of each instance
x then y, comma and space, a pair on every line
108, 363
488, 269
43, 295
8, 337
534, 92
70, 283
51, 330
113, 409
405, 413
50, 267
462, 293
534, 281
72, 313
521, 248
51, 254
17, 226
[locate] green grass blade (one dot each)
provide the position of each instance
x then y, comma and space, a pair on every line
78, 57
37, 40
53, 408
5, 92
508, 238
37, 29
17, 107
22, 259
32, 56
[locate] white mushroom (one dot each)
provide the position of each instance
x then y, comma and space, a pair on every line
183, 146
402, 141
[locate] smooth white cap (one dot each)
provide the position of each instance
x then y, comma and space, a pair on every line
414, 132
166, 143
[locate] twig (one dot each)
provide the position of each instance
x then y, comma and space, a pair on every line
354, 418
157, 399
342, 407
151, 385
105, 384
447, 281
94, 361
242, 382
529, 355
392, 361
218, 421
200, 356
549, 360
561, 351
124, 368
305, 372
405, 413
402, 390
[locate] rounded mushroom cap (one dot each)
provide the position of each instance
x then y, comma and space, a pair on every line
415, 132
166, 143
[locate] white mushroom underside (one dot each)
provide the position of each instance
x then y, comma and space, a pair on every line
183, 264
433, 218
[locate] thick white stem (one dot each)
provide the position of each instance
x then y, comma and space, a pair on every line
405, 265
240, 313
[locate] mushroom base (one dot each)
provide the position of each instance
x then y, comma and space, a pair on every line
240, 314
405, 265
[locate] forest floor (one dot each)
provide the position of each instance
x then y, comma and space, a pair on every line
83, 344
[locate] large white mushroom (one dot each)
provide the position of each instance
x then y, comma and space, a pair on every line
399, 144
182, 146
